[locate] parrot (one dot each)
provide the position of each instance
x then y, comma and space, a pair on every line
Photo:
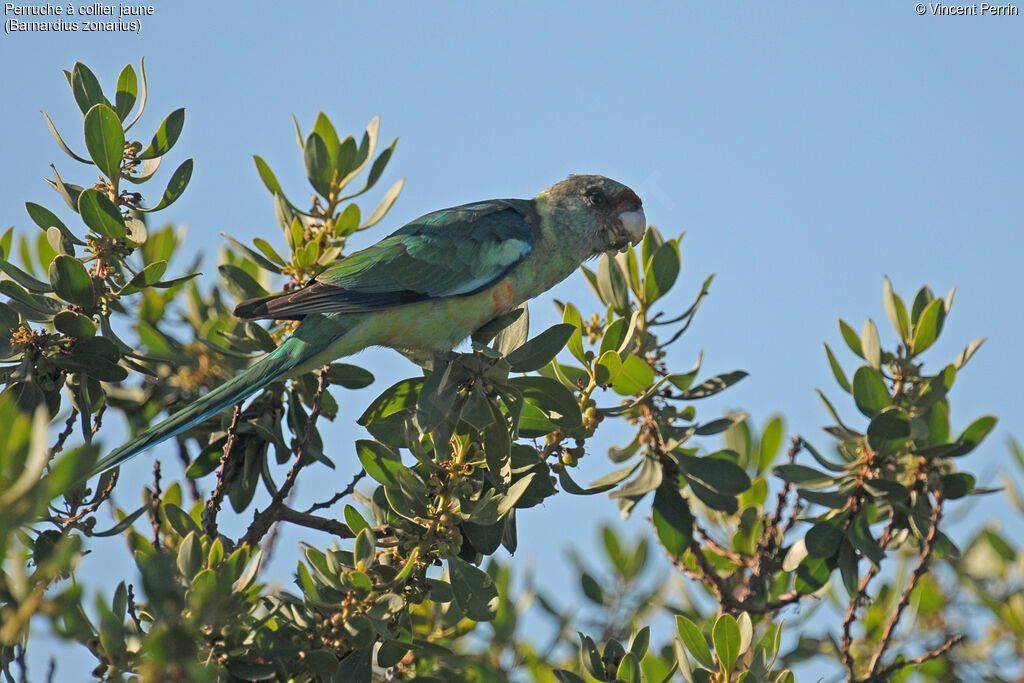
426, 287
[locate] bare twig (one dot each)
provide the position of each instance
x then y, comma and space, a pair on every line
924, 559
859, 597
886, 673
330, 526
155, 507
723, 594
262, 521
718, 548
94, 506
69, 426
347, 491
98, 420
132, 609
213, 505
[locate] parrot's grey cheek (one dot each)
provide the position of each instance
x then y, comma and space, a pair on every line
634, 223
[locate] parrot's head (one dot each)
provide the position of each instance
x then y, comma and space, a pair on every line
611, 214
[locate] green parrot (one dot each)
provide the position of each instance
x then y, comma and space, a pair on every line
426, 287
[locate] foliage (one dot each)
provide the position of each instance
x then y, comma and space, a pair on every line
456, 453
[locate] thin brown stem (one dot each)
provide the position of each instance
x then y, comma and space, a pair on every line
846, 646
69, 426
262, 521
154, 509
924, 559
133, 611
886, 673
213, 505
347, 491
97, 421
104, 495
330, 526
720, 587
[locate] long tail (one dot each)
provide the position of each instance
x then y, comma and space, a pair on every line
291, 354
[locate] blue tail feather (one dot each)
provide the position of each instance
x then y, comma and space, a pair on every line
271, 367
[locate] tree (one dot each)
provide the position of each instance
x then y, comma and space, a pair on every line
457, 452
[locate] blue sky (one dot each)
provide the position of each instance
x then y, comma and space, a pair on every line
807, 149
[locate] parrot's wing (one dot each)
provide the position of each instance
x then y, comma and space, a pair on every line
451, 252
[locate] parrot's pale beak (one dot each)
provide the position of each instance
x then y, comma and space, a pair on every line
635, 224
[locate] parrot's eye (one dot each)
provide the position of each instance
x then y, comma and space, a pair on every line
596, 198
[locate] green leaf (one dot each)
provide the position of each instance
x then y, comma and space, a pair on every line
611, 284
714, 385
694, 641
71, 281
267, 176
837, 369
812, 573
240, 283
377, 169
803, 476
571, 316
823, 539
629, 669
46, 219
553, 399
859, 535
166, 135
896, 310
319, 163
539, 351
86, 88
100, 214
718, 473
869, 391
349, 376
190, 556
104, 138
976, 432
147, 277
928, 326
380, 462
640, 642
354, 520
771, 441
68, 191
848, 569
74, 324
23, 278
515, 334
608, 367
60, 141
673, 521
126, 92
474, 590
851, 338
870, 344
661, 272
365, 547
889, 430
635, 377
384, 206
966, 354
175, 187
725, 634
